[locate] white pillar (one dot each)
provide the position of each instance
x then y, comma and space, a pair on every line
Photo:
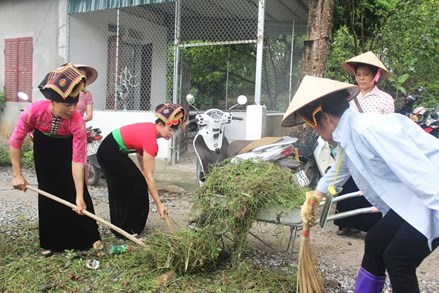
255, 121
63, 33
176, 90
259, 51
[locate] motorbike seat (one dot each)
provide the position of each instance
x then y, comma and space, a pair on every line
237, 147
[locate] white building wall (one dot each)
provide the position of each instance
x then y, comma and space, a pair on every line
39, 20
52, 31
89, 45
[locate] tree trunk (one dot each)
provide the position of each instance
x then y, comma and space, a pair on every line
320, 14
316, 51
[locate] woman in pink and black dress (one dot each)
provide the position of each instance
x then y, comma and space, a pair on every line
128, 186
59, 156
367, 69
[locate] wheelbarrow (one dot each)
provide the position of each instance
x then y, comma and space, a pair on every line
292, 219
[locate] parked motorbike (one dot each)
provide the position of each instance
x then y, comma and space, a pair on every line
212, 146
407, 107
431, 122
319, 152
94, 139
427, 119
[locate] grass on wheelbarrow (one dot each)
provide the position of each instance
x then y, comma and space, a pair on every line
228, 202
234, 194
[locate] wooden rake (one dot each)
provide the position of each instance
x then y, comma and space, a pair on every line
88, 214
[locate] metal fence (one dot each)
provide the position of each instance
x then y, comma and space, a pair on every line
159, 52
132, 49
221, 48
216, 52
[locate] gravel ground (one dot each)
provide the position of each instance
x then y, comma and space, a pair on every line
338, 257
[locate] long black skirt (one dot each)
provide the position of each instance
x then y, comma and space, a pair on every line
60, 228
127, 189
362, 222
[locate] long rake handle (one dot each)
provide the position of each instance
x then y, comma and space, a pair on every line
169, 224
88, 214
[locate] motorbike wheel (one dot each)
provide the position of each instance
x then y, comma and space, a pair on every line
200, 173
94, 173
311, 172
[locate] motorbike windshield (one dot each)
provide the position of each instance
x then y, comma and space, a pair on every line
435, 114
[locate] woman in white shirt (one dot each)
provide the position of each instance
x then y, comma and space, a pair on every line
394, 162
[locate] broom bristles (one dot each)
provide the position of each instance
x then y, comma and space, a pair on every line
307, 275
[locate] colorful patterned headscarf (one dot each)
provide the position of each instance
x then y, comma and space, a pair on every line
63, 84
172, 115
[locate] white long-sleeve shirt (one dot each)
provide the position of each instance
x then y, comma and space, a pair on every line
375, 101
395, 163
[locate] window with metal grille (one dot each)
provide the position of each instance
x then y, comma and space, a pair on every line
18, 67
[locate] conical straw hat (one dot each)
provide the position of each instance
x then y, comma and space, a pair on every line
311, 89
366, 58
92, 74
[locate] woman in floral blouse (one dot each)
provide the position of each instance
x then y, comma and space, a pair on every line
367, 70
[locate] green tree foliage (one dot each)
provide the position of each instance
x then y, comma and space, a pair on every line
215, 67
364, 20
357, 24
227, 71
2, 101
403, 33
341, 49
411, 39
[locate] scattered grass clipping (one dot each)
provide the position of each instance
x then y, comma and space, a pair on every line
228, 202
185, 252
24, 269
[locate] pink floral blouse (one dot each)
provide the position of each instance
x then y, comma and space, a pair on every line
375, 101
85, 99
38, 116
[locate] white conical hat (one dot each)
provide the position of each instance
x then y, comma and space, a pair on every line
310, 89
92, 74
366, 58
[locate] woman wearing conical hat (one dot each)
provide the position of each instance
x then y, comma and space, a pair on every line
85, 102
368, 70
396, 165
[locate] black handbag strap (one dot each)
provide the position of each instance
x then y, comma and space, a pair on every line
358, 105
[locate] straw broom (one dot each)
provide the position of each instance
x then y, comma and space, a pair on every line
307, 275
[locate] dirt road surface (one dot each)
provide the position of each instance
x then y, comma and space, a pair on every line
338, 257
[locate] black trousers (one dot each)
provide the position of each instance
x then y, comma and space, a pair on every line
127, 189
59, 227
394, 245
361, 222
